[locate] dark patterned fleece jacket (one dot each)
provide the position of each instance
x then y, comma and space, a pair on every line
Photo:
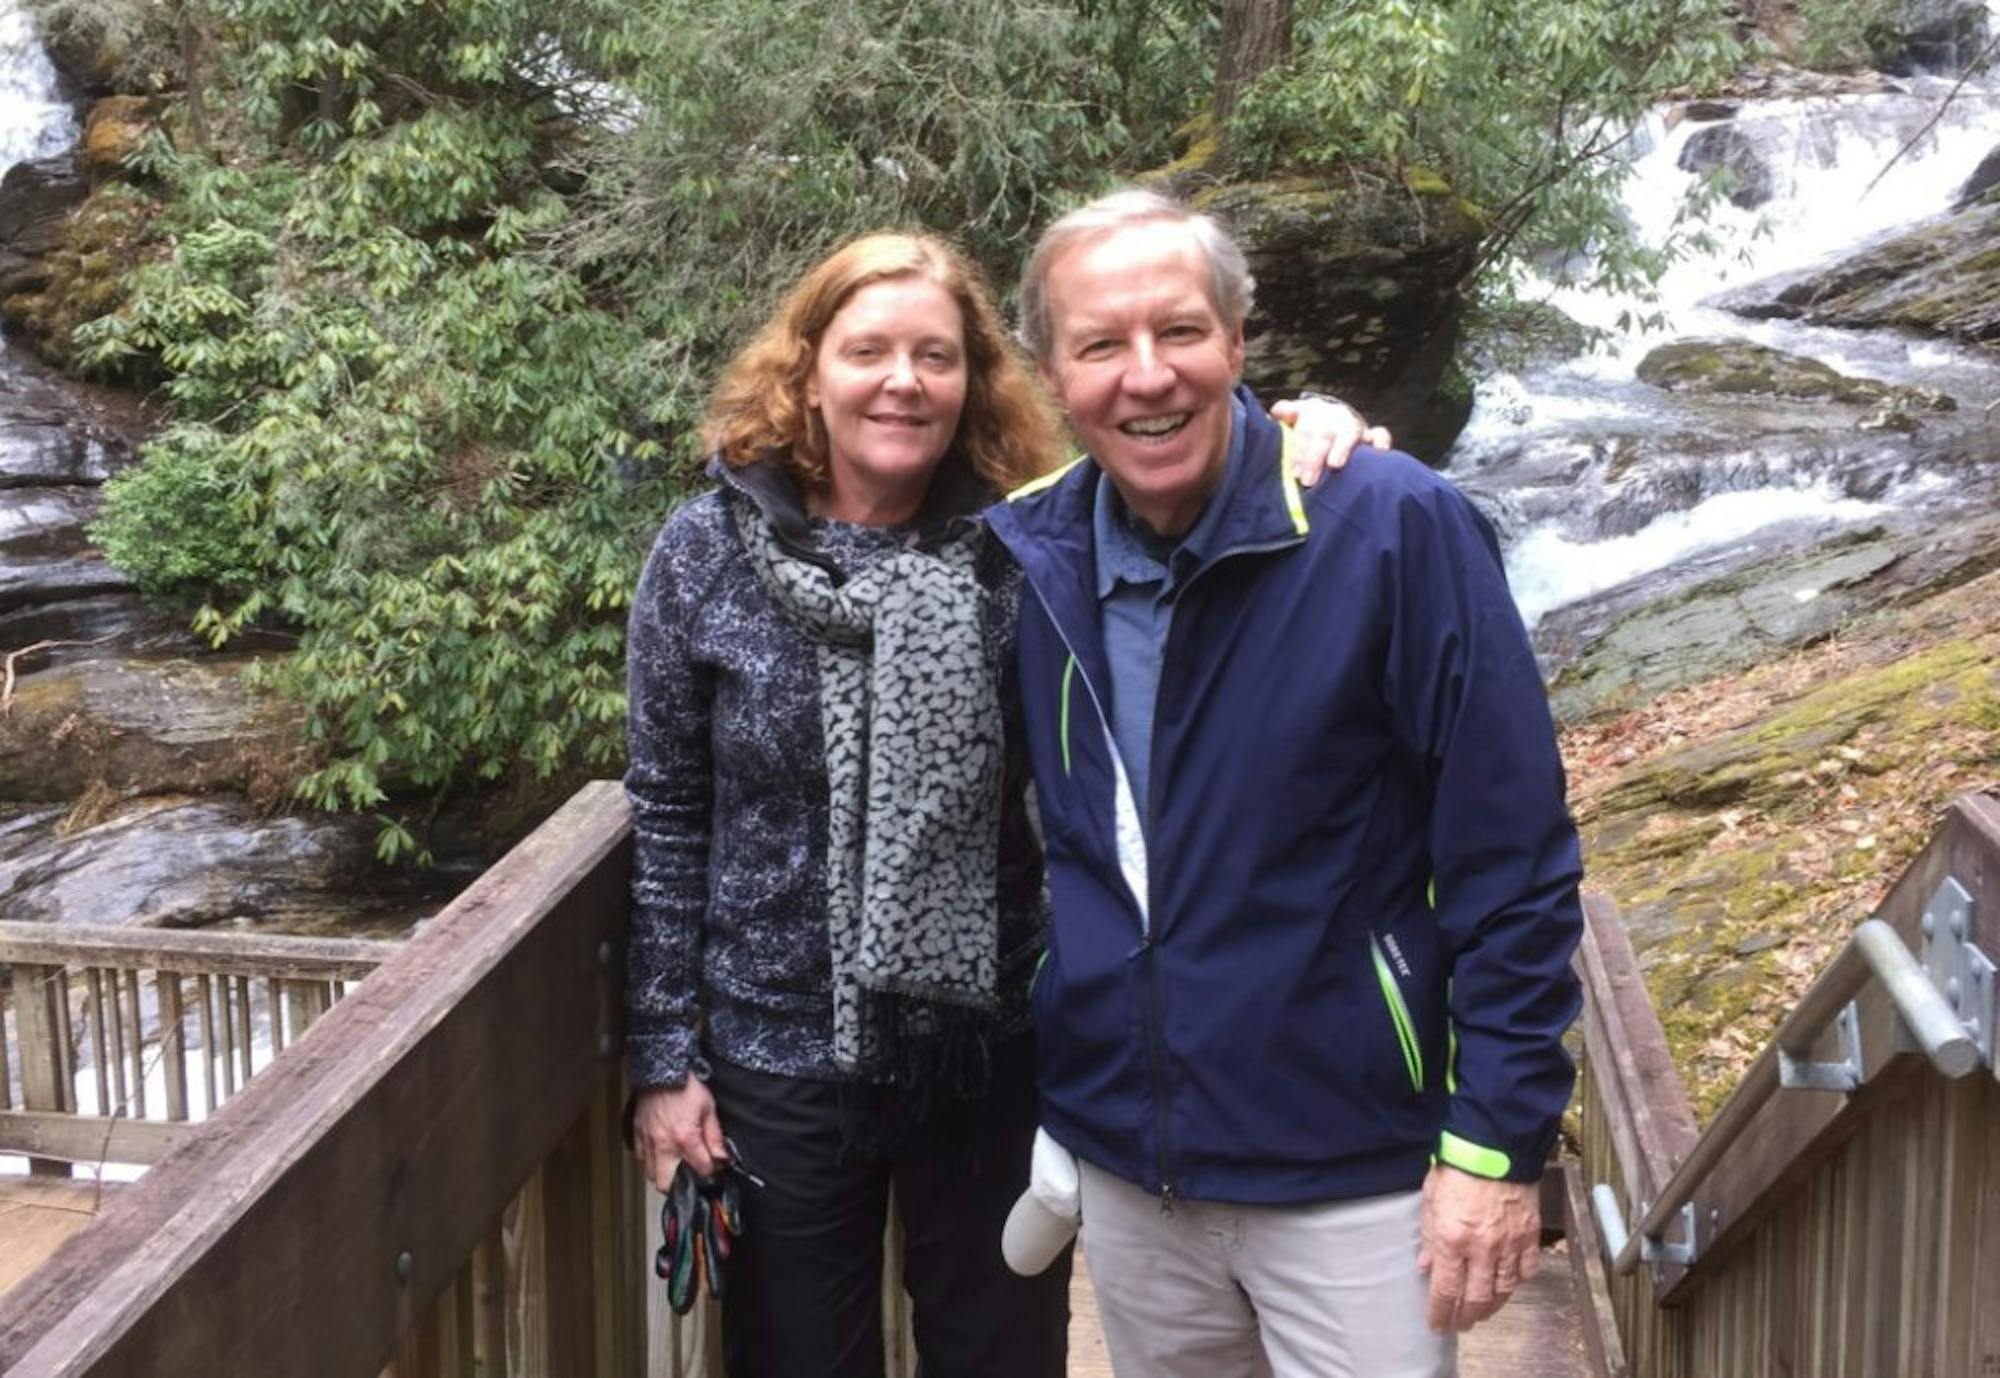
729, 796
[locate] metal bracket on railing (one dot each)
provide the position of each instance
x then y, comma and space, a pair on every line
1956, 966
1653, 1249
1611, 1231
1613, 1235
1801, 1073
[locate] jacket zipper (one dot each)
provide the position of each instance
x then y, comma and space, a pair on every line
1121, 785
1399, 1013
1153, 1011
1155, 1038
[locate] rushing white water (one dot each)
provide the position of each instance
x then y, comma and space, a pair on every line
1822, 156
35, 120
1548, 569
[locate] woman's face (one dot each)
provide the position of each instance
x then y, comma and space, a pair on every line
888, 382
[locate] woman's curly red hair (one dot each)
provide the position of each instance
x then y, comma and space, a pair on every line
1006, 433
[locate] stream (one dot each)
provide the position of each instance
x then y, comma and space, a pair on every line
1605, 487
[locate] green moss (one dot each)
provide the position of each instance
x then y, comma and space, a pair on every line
87, 269
1702, 847
1424, 181
1905, 690
1201, 149
1456, 385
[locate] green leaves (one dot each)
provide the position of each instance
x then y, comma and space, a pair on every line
1848, 33
399, 426
438, 300
1521, 105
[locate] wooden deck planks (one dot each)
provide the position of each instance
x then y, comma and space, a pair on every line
36, 1215
1087, 1356
1536, 1335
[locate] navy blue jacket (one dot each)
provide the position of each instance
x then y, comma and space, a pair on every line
1340, 947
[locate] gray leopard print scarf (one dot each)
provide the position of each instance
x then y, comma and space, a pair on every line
914, 764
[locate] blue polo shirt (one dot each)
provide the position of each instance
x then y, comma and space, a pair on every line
1138, 576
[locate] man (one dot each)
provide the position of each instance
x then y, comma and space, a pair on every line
1314, 882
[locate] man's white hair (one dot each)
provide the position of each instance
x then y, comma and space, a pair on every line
1230, 286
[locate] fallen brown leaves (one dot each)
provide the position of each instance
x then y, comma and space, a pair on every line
1840, 813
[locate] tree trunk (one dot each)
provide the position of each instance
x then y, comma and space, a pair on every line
194, 76
1256, 36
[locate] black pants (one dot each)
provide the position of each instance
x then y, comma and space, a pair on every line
805, 1282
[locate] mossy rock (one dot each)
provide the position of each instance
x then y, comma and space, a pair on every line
1737, 368
1199, 158
1518, 333
82, 275
1942, 278
1359, 294
1739, 858
147, 727
114, 130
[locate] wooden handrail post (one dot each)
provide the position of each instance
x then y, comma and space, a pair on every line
37, 989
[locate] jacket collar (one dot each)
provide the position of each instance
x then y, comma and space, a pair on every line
1257, 506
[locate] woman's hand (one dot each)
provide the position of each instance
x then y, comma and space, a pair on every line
676, 1123
1327, 432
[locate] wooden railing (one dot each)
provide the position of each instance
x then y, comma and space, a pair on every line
429, 1177
112, 1040
428, 1182
1842, 1233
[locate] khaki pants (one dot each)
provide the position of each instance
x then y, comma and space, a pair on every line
1218, 1291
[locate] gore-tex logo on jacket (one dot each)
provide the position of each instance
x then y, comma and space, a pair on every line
1396, 955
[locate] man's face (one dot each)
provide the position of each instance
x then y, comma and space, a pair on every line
1143, 362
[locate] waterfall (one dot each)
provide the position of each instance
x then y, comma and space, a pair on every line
1568, 454
35, 119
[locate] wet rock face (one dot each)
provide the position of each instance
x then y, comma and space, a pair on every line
1357, 295
1736, 368
1942, 279
96, 627
1937, 36
58, 444
1623, 648
1983, 179
35, 200
1727, 147
45, 555
176, 862
143, 726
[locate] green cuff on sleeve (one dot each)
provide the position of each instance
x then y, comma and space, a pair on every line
1474, 1158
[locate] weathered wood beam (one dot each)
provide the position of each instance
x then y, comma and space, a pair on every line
1646, 1107
88, 1138
40, 1000
1589, 1282
226, 953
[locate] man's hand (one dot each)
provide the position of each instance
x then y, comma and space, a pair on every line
1327, 431
673, 1123
1481, 1240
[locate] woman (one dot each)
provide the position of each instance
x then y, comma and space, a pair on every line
837, 892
